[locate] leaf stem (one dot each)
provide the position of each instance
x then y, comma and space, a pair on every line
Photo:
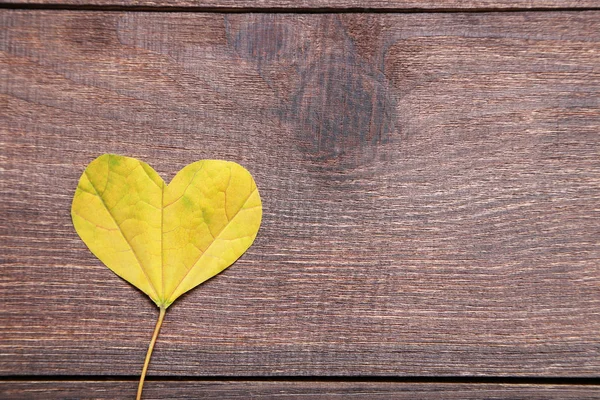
161, 317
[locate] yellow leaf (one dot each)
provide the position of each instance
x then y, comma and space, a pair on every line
166, 239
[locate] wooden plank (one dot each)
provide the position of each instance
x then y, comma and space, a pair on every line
383, 5
98, 390
430, 185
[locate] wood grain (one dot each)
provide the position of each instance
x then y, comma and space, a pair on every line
99, 390
386, 5
430, 184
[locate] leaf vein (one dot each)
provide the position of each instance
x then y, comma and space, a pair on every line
122, 234
213, 242
186, 188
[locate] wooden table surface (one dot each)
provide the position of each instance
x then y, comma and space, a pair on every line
430, 175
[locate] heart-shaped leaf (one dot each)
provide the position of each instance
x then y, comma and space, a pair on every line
165, 239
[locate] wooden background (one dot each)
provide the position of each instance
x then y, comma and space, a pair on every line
430, 175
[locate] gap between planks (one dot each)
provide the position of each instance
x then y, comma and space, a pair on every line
497, 380
285, 10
